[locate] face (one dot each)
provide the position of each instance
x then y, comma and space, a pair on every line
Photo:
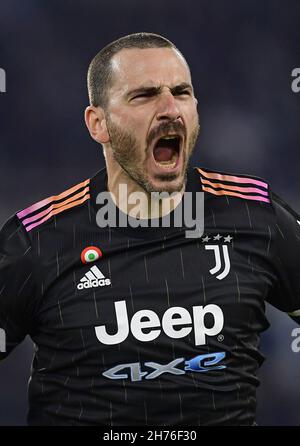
152, 117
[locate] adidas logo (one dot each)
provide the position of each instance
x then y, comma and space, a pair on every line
92, 279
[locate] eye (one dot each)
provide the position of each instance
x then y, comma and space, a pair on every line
184, 92
142, 95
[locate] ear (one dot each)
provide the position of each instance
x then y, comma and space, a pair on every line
96, 123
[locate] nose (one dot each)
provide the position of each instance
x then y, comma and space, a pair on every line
167, 107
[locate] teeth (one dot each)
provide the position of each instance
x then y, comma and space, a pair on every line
166, 165
169, 137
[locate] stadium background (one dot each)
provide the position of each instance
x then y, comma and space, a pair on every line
241, 55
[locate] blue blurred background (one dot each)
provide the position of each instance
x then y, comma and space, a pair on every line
241, 55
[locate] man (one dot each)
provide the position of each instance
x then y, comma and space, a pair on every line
140, 324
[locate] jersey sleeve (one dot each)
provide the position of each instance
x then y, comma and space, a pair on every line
17, 286
285, 295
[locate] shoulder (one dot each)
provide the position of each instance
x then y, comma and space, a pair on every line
241, 186
282, 208
46, 209
287, 219
13, 239
252, 191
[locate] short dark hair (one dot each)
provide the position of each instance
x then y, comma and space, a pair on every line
100, 73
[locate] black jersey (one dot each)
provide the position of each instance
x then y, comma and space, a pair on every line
145, 326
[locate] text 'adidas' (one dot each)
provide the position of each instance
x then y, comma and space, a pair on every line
93, 279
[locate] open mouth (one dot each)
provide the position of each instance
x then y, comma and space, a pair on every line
166, 151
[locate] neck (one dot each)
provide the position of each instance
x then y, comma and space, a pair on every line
132, 199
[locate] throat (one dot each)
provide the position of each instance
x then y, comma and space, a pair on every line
165, 156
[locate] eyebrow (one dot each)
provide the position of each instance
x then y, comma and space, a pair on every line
155, 90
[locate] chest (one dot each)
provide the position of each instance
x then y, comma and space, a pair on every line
154, 288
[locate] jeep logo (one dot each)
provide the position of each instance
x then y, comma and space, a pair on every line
178, 317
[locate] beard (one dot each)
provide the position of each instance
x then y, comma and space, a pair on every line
128, 153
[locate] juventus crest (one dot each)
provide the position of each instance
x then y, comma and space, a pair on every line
221, 256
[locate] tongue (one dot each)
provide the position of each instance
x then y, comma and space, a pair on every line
163, 153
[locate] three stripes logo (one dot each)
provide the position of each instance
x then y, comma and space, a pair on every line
244, 187
218, 266
93, 279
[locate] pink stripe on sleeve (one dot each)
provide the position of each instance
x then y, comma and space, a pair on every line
235, 179
48, 200
236, 194
54, 206
237, 188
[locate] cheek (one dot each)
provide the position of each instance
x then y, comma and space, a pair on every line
121, 120
192, 118
131, 122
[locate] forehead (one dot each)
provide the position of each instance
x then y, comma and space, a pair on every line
152, 66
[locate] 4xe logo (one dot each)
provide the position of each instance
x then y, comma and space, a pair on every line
146, 326
199, 364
